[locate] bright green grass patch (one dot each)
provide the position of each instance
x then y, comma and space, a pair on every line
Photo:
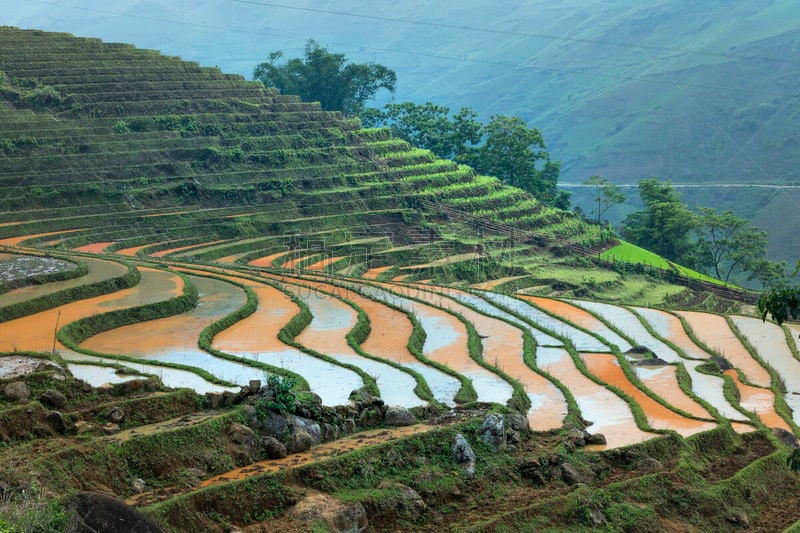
631, 253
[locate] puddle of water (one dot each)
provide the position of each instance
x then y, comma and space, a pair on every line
256, 337
524, 310
94, 248
581, 317
373, 273
670, 327
98, 375
503, 349
170, 377
770, 343
664, 382
266, 261
132, 251
162, 253
36, 332
606, 367
15, 241
714, 332
174, 339
759, 401
581, 340
326, 333
607, 412
710, 388
98, 270
322, 265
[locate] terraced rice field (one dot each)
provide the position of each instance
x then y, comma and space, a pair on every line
456, 344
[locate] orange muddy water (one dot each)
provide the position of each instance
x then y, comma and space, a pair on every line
759, 401
15, 241
267, 260
582, 318
606, 367
323, 264
94, 248
162, 253
714, 332
503, 349
607, 412
446, 343
373, 273
256, 337
670, 327
663, 381
296, 261
132, 251
36, 332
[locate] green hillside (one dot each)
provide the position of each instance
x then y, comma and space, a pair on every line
121, 145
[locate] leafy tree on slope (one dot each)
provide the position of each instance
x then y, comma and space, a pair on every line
327, 78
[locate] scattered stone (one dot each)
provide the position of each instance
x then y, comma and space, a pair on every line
738, 518
575, 438
53, 398
329, 432
49, 366
299, 441
572, 475
786, 438
649, 464
94, 512
56, 421
297, 423
273, 448
493, 431
349, 425
246, 439
110, 428
464, 455
116, 415
596, 439
399, 416
255, 385
275, 425
42, 431
408, 504
336, 515
651, 361
138, 485
17, 391
83, 427
130, 386
215, 400
722, 363
518, 422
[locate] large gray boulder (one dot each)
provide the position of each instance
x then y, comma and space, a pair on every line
399, 416
464, 455
16, 391
92, 512
493, 431
297, 423
299, 441
246, 441
337, 516
53, 398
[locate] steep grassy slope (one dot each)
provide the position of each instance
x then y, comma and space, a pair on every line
697, 93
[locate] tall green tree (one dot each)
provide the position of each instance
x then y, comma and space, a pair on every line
727, 245
665, 224
606, 195
505, 147
327, 78
517, 155
428, 126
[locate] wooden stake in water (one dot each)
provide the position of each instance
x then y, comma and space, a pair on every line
55, 331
